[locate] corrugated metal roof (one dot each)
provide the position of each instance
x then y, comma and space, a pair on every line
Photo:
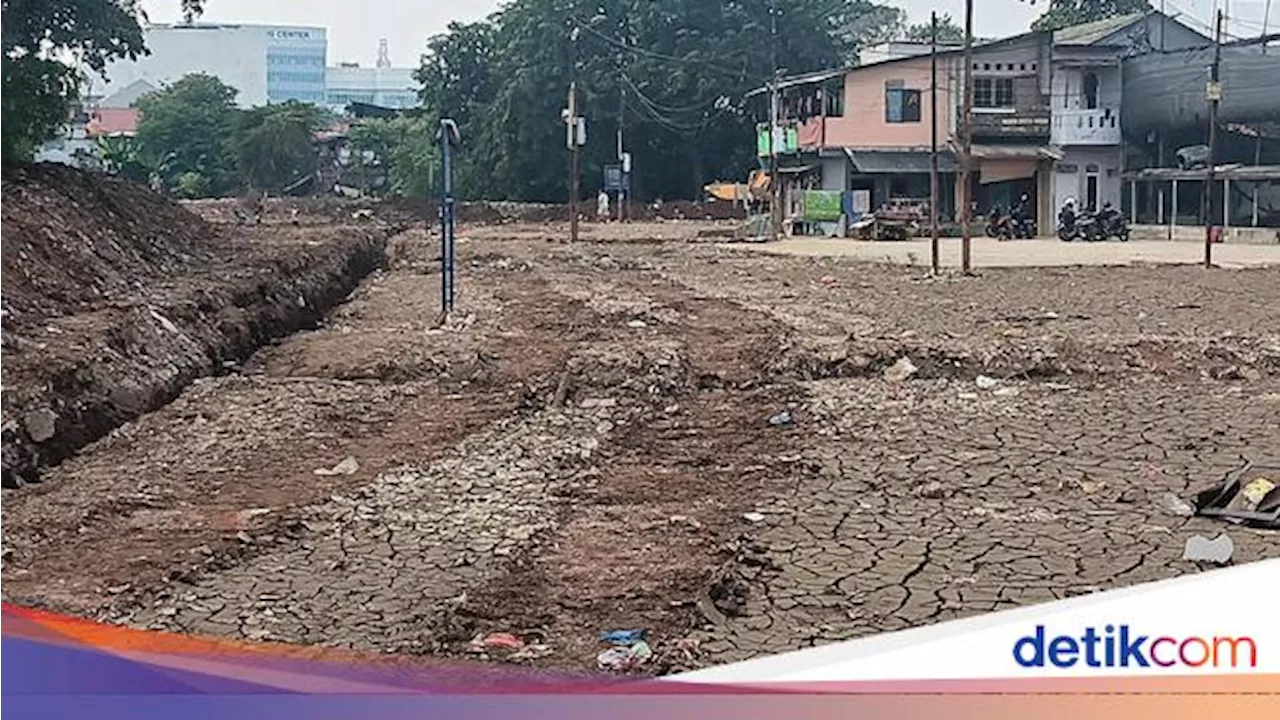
1092, 32
875, 162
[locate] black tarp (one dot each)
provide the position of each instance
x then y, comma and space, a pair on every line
1166, 91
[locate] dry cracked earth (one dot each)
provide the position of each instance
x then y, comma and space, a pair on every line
586, 445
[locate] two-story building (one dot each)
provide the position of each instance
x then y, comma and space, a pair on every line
1044, 122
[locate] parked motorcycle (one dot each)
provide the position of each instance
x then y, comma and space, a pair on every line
999, 223
1111, 224
1068, 224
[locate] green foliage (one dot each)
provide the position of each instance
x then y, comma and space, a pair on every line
189, 127
683, 66
275, 144
403, 148
948, 31
120, 157
1063, 13
192, 185
38, 88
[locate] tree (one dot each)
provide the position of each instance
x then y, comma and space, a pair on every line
189, 127
682, 66
403, 148
36, 36
948, 31
275, 144
1064, 13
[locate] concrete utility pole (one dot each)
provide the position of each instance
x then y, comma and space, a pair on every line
934, 262
573, 122
622, 114
1213, 91
966, 159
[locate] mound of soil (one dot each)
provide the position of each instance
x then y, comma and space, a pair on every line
73, 241
115, 299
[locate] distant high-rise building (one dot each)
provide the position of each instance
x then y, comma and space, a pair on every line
380, 85
264, 63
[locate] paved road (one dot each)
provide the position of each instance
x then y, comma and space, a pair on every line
1028, 253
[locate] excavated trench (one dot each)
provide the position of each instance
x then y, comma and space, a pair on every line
88, 373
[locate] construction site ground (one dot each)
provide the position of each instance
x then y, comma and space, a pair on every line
650, 429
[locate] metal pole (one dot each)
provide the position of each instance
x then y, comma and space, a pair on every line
775, 182
933, 143
967, 137
446, 219
1266, 13
1214, 91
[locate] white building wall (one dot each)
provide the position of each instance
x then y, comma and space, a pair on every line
236, 54
1070, 176
383, 86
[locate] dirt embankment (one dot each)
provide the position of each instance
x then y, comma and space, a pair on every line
115, 299
325, 210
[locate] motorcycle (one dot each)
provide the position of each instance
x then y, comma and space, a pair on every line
1111, 224
999, 224
1068, 225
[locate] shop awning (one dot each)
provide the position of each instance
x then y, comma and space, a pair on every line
876, 162
1000, 163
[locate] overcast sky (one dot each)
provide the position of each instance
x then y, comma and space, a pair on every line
354, 26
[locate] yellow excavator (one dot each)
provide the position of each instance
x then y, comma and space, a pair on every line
756, 188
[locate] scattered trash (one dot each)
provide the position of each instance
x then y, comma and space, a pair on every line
637, 324
1201, 549
827, 280
901, 370
1175, 505
622, 637
1255, 491
1255, 503
986, 383
781, 419
619, 659
629, 650
753, 517
348, 466
497, 640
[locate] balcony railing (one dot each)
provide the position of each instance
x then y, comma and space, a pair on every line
1100, 126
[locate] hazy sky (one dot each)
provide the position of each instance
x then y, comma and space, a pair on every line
354, 26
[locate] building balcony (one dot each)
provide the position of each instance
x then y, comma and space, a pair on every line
1100, 126
1010, 123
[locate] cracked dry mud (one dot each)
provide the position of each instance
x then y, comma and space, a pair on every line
577, 449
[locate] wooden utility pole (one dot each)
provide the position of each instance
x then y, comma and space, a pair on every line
966, 202
934, 262
1213, 91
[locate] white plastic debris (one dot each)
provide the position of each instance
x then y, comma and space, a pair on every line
986, 382
1201, 549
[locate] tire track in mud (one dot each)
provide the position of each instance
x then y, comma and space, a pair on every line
661, 441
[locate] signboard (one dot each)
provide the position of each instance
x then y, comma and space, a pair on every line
823, 205
787, 140
612, 177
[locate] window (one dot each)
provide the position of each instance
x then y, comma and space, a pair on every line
901, 105
992, 92
834, 99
